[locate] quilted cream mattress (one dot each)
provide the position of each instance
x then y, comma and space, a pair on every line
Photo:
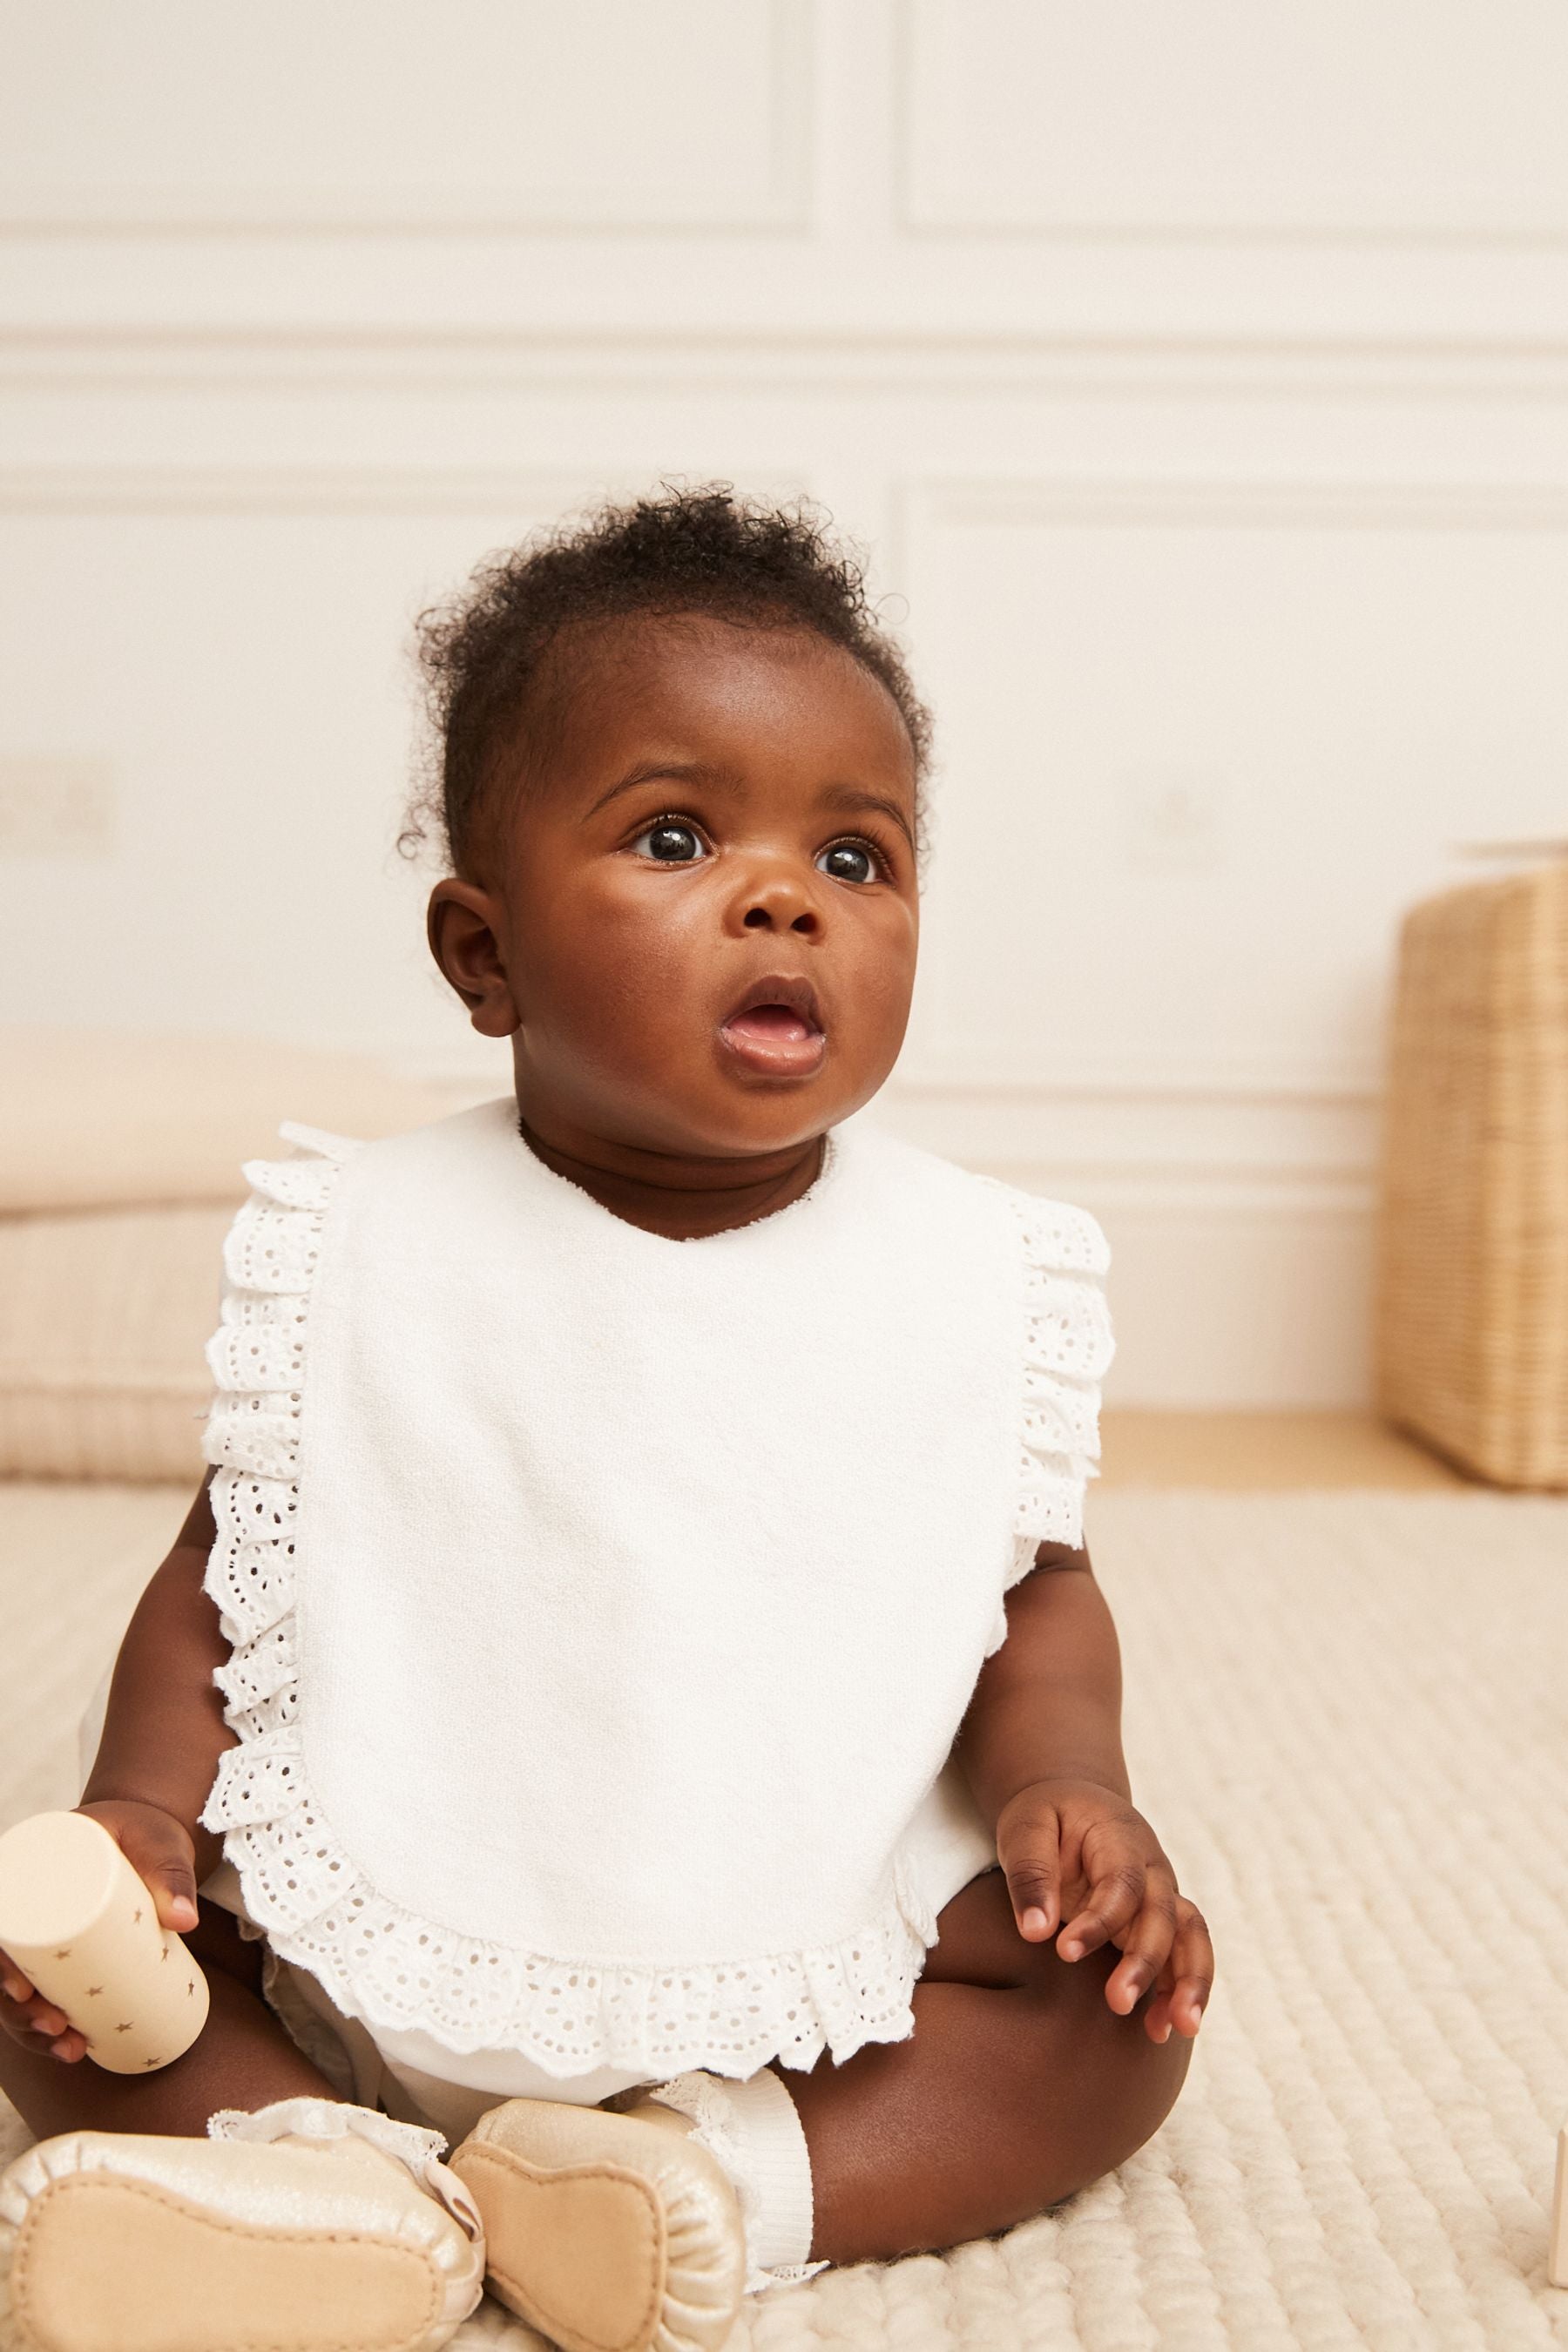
1345, 1716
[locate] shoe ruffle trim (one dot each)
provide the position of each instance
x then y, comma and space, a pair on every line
418, 2149
380, 1963
308, 2118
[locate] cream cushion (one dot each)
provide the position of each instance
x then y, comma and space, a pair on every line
120, 1172
103, 1320
108, 1119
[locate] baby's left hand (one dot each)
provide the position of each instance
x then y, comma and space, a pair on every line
1077, 1850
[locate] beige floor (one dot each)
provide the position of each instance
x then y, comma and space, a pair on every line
1343, 1716
1258, 1450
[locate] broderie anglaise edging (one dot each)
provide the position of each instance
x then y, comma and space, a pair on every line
399, 1971
1068, 1349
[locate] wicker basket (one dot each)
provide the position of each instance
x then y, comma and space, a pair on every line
1472, 1293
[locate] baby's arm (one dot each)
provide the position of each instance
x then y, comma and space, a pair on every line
163, 1735
1041, 1748
163, 1731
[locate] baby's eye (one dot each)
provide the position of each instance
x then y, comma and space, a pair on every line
847, 861
670, 841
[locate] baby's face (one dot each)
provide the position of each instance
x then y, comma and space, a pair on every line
703, 901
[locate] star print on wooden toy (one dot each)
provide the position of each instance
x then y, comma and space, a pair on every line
190, 1993
136, 1919
63, 1956
164, 1953
150, 2062
93, 1991
126, 2028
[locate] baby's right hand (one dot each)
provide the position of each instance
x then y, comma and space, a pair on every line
159, 1850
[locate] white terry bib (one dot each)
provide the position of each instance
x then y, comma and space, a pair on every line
604, 1606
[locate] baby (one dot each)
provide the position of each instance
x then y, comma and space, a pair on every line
630, 1703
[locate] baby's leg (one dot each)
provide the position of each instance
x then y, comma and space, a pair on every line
243, 2058
1019, 2085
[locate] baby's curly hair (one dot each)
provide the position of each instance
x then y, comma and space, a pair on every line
484, 654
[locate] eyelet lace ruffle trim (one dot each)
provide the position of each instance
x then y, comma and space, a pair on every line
378, 1961
1068, 1349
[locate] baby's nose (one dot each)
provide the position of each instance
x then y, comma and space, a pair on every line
779, 901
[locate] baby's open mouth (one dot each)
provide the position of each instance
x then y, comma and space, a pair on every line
775, 1020
776, 1028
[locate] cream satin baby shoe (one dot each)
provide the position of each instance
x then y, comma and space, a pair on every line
309, 2226
608, 2232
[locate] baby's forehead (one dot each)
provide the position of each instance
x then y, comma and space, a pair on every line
741, 693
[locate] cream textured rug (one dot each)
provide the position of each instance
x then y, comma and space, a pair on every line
1345, 1716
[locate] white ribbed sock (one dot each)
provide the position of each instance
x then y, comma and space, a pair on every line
753, 2129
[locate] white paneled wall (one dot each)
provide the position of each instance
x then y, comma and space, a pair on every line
1198, 378
1226, 119
472, 115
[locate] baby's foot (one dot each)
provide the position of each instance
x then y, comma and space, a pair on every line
609, 2233
309, 2226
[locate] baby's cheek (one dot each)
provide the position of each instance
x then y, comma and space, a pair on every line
634, 1055
879, 995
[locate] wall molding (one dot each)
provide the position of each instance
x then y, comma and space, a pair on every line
1119, 1083
1283, 1197
1185, 501
297, 490
824, 361
787, 208
1090, 1078
961, 501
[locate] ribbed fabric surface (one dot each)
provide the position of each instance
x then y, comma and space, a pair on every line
774, 2146
1346, 1718
753, 2131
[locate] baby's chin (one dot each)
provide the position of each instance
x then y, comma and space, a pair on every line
751, 1107
749, 1122
765, 1122
701, 1104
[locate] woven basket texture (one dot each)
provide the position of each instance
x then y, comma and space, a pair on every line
1472, 1325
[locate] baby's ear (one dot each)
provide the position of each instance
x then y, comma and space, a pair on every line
462, 925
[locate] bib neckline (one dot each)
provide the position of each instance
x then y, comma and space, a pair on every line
825, 1181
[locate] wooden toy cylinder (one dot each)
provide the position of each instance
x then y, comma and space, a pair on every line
80, 1923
